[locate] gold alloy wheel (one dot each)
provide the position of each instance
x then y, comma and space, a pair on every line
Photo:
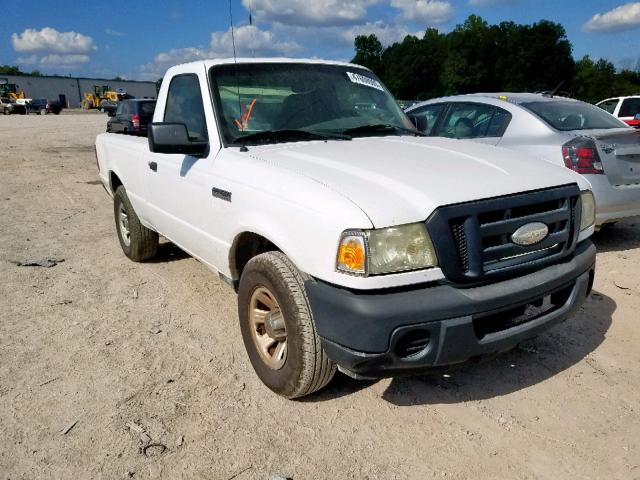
123, 223
268, 329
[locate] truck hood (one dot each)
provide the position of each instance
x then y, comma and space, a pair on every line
398, 180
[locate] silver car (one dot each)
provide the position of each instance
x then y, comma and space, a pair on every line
560, 130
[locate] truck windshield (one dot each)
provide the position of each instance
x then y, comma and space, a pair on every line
567, 115
261, 102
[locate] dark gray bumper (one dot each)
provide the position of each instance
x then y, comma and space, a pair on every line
390, 332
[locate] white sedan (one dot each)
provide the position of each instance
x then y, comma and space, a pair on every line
560, 130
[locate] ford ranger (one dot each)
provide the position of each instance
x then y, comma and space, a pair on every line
353, 242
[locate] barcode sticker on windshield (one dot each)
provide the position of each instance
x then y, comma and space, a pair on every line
363, 80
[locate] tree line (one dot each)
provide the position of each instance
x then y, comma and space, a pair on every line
478, 57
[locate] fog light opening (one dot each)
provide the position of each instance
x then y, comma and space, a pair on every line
412, 343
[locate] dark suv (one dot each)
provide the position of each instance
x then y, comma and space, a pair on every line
132, 116
43, 106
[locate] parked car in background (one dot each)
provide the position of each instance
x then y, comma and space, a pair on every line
108, 106
6, 106
132, 116
43, 106
9, 106
626, 109
560, 130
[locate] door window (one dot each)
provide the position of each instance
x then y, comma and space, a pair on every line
429, 116
184, 105
473, 120
609, 105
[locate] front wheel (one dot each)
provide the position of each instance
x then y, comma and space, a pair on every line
138, 242
43, 111
278, 329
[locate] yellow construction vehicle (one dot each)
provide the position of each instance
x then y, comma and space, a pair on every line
101, 94
10, 90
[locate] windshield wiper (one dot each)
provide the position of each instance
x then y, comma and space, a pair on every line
285, 135
377, 128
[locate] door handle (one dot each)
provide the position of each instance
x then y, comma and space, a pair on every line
153, 166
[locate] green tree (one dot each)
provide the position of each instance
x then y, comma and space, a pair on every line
413, 67
10, 70
470, 65
627, 82
477, 57
369, 53
593, 81
532, 57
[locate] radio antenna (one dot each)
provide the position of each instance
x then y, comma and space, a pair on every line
253, 54
235, 61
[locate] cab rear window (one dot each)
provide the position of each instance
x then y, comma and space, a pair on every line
630, 107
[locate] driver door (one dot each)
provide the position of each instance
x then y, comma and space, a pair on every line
180, 185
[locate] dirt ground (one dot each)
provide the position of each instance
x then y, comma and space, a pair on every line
124, 355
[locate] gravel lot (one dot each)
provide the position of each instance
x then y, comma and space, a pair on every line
124, 355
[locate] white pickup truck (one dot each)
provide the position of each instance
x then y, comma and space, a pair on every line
353, 242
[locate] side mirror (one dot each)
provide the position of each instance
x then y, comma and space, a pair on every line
174, 138
111, 113
420, 122
637, 117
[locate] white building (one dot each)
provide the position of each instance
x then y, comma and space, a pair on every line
70, 90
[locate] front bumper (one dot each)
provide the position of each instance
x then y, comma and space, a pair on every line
387, 333
614, 203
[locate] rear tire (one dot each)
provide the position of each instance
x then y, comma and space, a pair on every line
305, 367
138, 242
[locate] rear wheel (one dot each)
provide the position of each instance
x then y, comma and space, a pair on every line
6, 111
137, 241
278, 329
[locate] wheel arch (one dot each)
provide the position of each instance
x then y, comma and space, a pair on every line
245, 246
114, 181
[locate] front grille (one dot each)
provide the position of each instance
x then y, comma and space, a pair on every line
473, 240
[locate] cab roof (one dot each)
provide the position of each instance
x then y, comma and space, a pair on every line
244, 60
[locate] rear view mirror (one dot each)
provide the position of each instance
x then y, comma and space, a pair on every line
420, 122
174, 138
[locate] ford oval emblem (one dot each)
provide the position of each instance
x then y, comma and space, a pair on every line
530, 234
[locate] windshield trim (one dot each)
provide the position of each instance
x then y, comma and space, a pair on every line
216, 99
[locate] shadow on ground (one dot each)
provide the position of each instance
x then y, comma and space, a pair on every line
529, 364
624, 235
168, 252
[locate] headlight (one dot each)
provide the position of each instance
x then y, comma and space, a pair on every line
588, 209
387, 250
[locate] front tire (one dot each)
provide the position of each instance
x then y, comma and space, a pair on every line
278, 329
137, 241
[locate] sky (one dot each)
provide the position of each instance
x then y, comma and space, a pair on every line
140, 40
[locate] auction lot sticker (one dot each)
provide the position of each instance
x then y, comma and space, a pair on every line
366, 81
